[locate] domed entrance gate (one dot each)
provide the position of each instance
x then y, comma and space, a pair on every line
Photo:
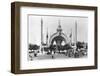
58, 39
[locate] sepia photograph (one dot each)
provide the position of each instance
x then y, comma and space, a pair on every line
57, 37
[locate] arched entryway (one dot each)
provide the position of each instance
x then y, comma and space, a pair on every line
58, 40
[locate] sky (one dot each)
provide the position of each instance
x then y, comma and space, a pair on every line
50, 24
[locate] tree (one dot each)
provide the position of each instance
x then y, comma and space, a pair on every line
35, 47
79, 45
30, 46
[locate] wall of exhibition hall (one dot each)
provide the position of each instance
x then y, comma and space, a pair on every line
5, 38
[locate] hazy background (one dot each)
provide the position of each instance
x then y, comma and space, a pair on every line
50, 24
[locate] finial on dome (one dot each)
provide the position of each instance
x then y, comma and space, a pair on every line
59, 29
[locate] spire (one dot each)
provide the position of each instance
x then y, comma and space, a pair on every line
59, 29
59, 23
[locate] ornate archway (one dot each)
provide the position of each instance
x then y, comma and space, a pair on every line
58, 37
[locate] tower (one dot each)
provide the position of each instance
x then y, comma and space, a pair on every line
41, 35
75, 31
41, 31
75, 35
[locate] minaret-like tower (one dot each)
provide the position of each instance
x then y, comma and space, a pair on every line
76, 35
75, 31
41, 31
41, 36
